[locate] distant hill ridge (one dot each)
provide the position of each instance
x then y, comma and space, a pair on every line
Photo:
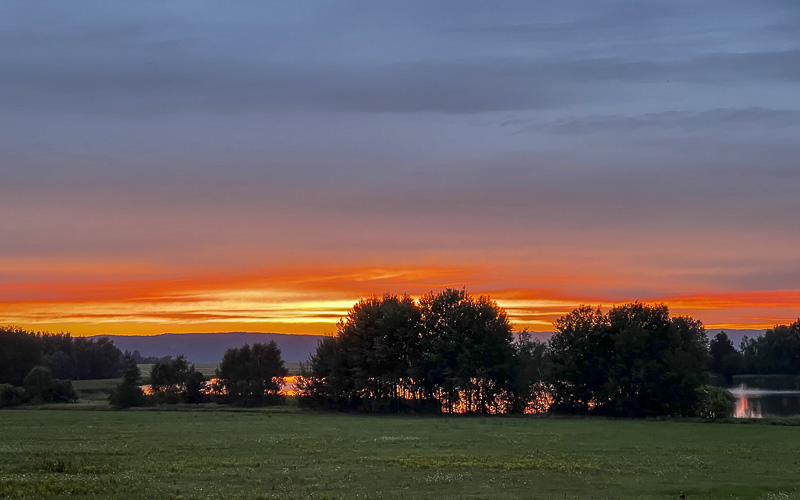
209, 347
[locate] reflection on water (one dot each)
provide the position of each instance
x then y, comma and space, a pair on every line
760, 403
289, 387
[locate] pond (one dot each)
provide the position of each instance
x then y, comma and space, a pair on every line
759, 403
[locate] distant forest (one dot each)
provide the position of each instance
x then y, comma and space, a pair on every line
68, 357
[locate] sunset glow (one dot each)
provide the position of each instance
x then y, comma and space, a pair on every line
313, 301
167, 168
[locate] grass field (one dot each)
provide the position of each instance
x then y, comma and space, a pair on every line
285, 453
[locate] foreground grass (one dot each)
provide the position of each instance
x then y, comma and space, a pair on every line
290, 454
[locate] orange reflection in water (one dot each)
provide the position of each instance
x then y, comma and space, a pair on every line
744, 409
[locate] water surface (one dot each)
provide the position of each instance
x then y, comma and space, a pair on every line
753, 402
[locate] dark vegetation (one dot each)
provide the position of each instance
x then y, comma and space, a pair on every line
129, 393
177, 381
451, 352
777, 352
251, 376
73, 358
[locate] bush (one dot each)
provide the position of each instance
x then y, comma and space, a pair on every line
12, 396
714, 402
41, 386
128, 393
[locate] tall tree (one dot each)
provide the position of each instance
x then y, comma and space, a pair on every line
467, 351
128, 393
726, 361
20, 351
775, 352
176, 380
633, 361
252, 376
367, 365
530, 390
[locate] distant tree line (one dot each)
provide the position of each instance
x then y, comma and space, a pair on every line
450, 352
67, 357
777, 352
246, 376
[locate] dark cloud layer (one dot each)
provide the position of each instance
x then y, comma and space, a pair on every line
308, 122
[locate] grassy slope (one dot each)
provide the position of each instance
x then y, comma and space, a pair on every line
280, 454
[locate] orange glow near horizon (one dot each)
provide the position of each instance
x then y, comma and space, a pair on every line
311, 301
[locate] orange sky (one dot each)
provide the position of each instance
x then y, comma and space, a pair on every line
83, 300
263, 166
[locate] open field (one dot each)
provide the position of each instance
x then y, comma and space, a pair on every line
284, 453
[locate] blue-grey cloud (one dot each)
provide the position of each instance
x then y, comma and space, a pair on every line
714, 120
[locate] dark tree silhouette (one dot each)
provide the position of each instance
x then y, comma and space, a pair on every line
467, 350
633, 361
582, 352
251, 376
726, 361
66, 356
530, 389
368, 364
775, 352
42, 387
176, 380
20, 351
128, 393
451, 352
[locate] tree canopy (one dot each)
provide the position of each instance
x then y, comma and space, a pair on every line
632, 361
67, 357
252, 376
451, 352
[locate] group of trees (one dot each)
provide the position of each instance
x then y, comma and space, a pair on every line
37, 367
448, 352
777, 352
67, 357
451, 352
634, 360
247, 376
38, 386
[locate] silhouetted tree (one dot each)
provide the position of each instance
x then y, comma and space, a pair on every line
450, 351
726, 361
367, 365
12, 396
581, 352
530, 389
176, 380
467, 350
67, 357
41, 386
251, 376
128, 393
20, 351
633, 361
194, 388
775, 352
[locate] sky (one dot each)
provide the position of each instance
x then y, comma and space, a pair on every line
197, 166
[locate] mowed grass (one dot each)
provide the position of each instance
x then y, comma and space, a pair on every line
285, 453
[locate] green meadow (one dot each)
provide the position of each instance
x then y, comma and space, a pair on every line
287, 453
